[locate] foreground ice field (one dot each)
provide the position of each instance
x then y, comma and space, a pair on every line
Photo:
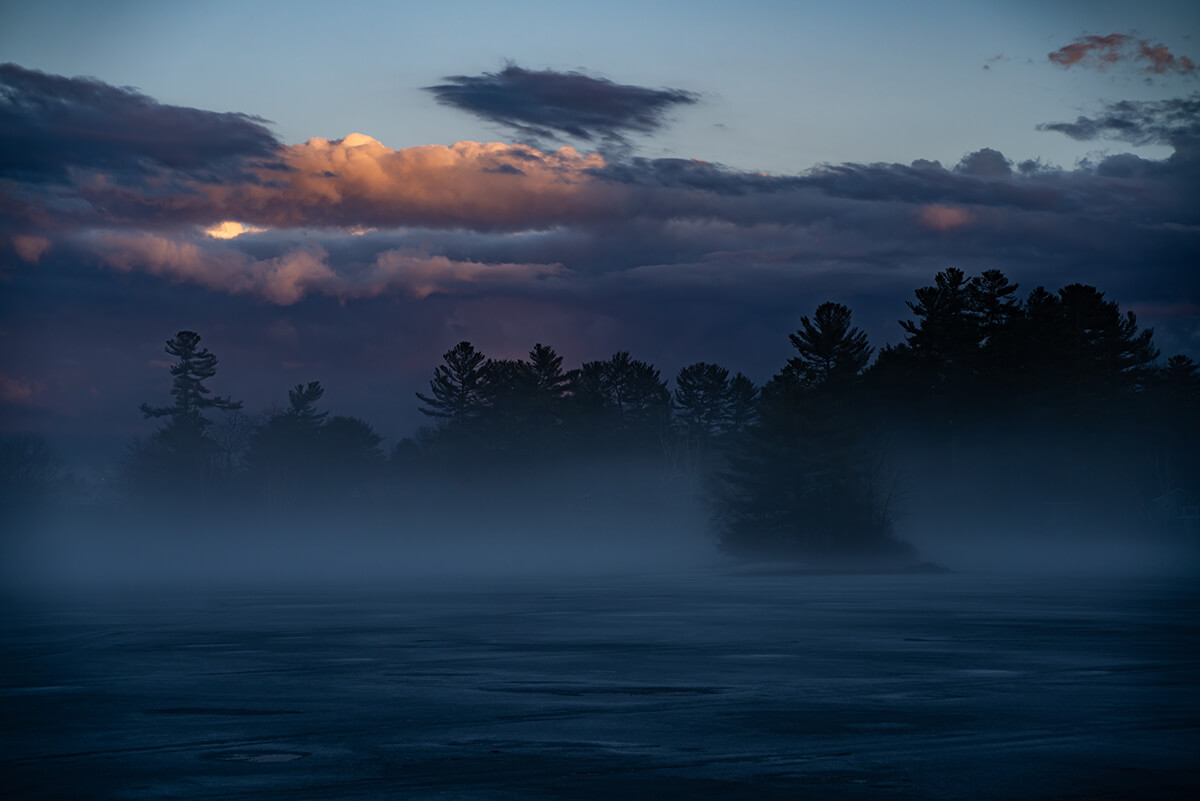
700, 686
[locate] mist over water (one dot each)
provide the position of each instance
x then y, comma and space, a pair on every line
580, 633
628, 522
633, 522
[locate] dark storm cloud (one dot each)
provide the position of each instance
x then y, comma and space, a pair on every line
984, 177
985, 163
546, 104
1174, 122
703, 176
50, 124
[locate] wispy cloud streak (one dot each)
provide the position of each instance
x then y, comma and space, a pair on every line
286, 279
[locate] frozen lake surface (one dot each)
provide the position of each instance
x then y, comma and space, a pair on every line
942, 686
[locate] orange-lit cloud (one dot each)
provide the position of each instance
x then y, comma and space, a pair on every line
1103, 51
283, 280
357, 182
231, 230
944, 218
288, 278
30, 248
422, 276
1162, 60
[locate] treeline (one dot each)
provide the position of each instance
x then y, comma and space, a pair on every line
1049, 412
517, 413
1051, 409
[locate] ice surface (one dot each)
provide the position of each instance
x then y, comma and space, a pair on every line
698, 686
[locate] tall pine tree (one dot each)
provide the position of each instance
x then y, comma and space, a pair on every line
180, 456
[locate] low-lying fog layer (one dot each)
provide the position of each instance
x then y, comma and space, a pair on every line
592, 519
593, 543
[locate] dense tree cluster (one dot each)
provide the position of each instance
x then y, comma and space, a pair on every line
974, 342
1046, 410
1056, 398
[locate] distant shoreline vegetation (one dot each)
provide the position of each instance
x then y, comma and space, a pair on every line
1050, 410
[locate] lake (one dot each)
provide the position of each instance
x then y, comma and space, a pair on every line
697, 685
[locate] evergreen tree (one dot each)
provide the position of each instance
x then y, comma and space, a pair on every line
301, 400
180, 456
458, 386
961, 353
1104, 346
702, 400
995, 371
990, 298
1180, 377
1039, 353
702, 403
806, 480
633, 389
945, 332
285, 458
549, 379
620, 399
1077, 351
194, 366
509, 398
832, 353
508, 389
549, 392
743, 403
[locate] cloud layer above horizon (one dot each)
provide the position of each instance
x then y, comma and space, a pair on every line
102, 184
123, 194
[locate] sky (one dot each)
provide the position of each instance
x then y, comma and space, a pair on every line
342, 193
